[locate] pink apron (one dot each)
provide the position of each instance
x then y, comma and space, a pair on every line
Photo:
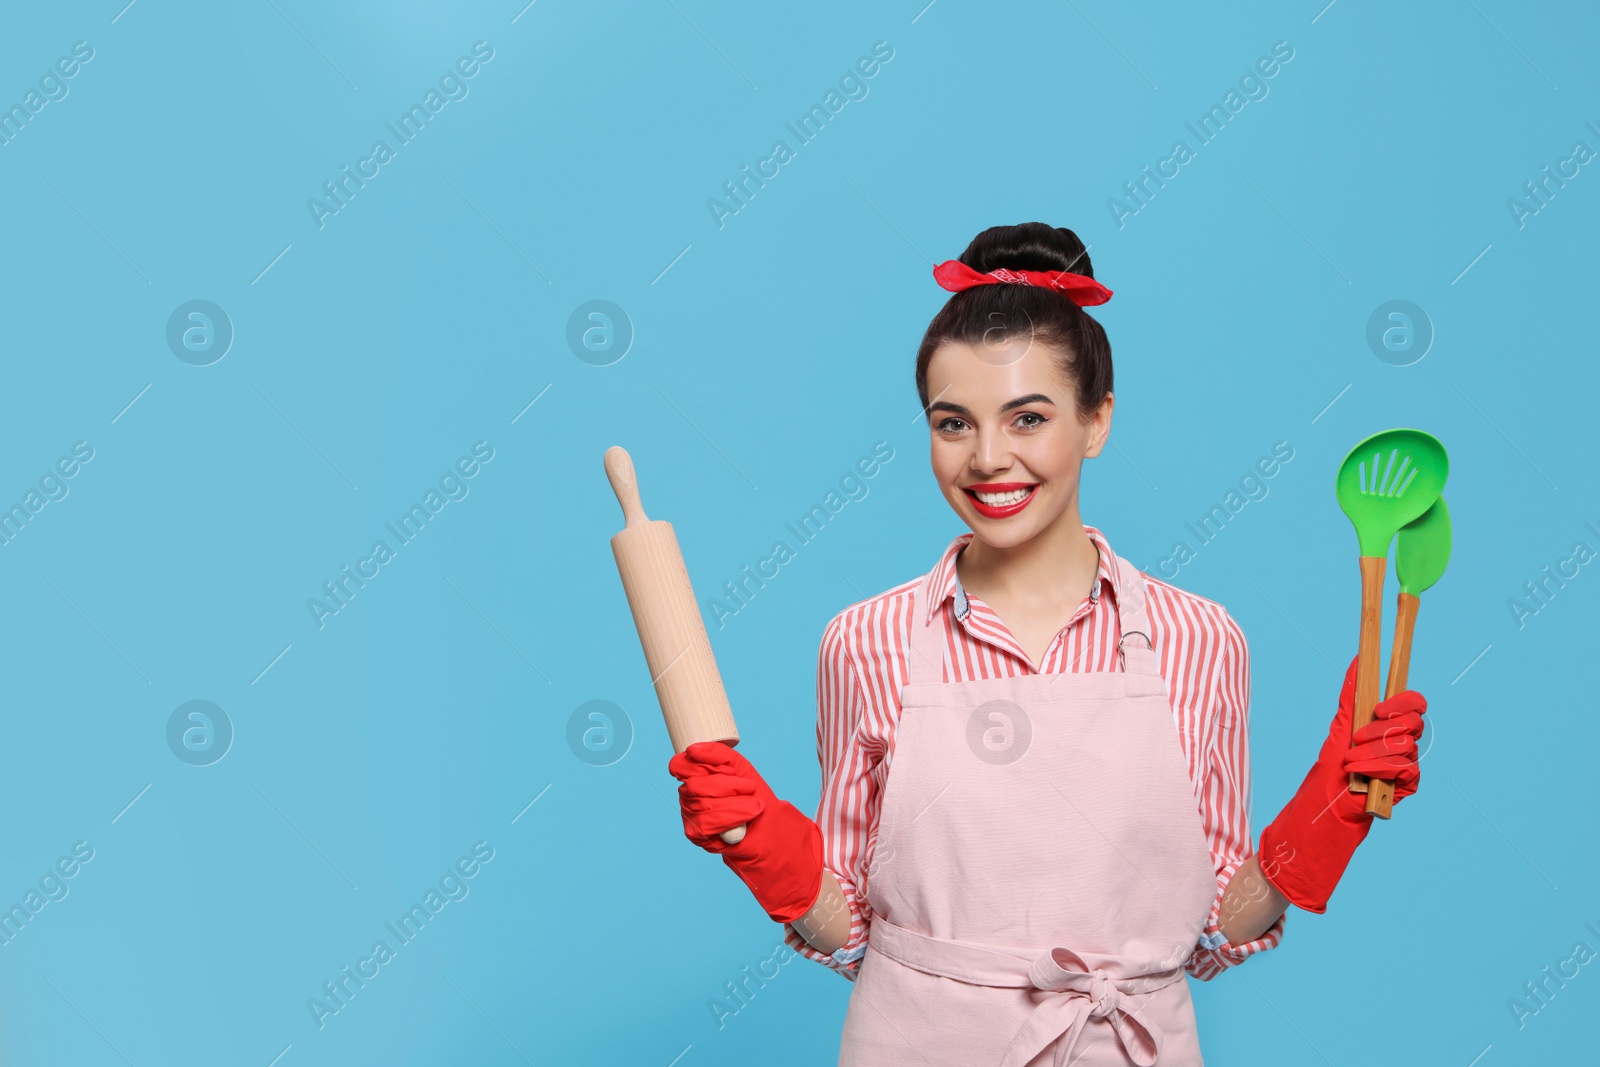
1040, 873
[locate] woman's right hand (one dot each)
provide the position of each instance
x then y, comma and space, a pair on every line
780, 856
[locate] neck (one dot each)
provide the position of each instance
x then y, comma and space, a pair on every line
1058, 565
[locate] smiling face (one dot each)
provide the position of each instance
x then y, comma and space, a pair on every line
1006, 441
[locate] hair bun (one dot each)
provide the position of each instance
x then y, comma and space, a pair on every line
1028, 246
990, 314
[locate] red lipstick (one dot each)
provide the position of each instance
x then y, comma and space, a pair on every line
992, 511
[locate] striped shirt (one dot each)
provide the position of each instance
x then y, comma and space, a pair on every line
861, 668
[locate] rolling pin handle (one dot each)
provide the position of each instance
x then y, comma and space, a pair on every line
619, 471
734, 836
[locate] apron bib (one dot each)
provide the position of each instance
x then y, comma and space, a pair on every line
1040, 873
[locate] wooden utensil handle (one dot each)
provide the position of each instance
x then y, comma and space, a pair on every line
1368, 652
1380, 794
625, 483
662, 601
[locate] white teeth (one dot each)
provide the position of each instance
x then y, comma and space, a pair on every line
1000, 500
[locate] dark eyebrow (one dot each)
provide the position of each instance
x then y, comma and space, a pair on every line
1021, 401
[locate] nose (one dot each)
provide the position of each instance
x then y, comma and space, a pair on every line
991, 451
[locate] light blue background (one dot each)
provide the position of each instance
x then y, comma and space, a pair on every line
769, 355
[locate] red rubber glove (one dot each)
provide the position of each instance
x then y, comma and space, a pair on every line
1307, 847
780, 857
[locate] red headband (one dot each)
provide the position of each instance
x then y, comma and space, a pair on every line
1081, 289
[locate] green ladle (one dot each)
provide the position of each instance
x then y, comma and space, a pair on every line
1387, 480
1421, 553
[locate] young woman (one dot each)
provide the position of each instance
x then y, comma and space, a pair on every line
1035, 758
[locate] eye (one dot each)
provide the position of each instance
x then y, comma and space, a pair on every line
1032, 415
945, 425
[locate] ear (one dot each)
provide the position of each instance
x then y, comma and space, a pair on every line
1099, 427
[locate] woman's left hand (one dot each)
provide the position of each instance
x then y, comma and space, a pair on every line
1386, 748
1304, 851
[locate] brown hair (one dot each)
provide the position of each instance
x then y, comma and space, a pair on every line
987, 313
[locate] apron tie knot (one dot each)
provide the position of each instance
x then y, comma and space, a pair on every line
1103, 994
1083, 993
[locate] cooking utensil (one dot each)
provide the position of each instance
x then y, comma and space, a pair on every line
1421, 553
1387, 480
676, 648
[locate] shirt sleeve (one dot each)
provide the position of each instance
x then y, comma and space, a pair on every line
1225, 806
848, 811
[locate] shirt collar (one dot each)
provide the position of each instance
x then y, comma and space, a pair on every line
943, 583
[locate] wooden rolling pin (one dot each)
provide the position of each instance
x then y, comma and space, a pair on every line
682, 665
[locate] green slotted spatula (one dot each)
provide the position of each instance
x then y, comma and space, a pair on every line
1386, 481
1421, 553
